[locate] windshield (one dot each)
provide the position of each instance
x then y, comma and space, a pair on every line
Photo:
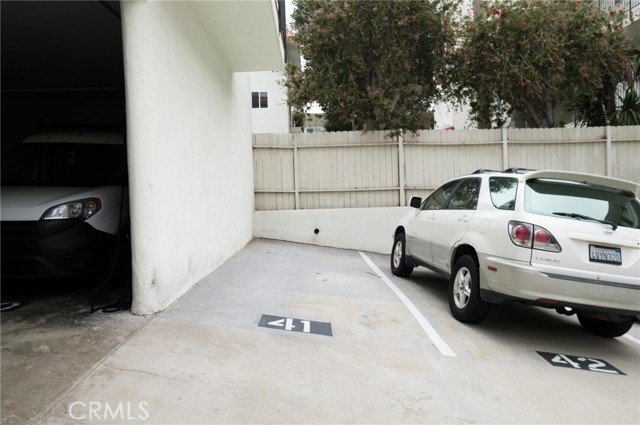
574, 200
64, 164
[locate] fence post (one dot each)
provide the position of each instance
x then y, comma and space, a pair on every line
401, 169
609, 154
295, 171
505, 149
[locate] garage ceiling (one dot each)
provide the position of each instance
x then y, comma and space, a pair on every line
61, 45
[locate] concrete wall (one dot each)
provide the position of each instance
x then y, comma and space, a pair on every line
365, 229
275, 118
190, 158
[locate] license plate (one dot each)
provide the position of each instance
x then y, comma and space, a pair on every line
601, 254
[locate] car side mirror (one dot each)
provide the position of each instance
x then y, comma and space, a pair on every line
415, 202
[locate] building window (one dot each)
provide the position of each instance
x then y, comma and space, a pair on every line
259, 99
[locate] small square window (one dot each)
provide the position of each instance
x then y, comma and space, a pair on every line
259, 99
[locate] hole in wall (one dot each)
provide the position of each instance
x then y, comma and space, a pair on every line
316, 231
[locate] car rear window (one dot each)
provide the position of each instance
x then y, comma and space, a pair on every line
557, 198
64, 164
503, 192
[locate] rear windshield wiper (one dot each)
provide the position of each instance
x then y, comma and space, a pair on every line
585, 217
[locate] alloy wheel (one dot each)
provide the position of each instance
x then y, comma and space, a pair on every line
462, 287
397, 254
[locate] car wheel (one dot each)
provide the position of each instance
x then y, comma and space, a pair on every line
399, 265
605, 328
464, 292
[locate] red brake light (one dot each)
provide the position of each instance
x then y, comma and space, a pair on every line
542, 236
545, 241
529, 236
522, 233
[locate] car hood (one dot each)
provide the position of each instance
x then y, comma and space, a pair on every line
27, 203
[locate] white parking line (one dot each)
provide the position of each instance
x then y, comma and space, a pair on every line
631, 338
445, 350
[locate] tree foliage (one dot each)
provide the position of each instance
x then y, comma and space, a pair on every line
629, 111
527, 57
372, 65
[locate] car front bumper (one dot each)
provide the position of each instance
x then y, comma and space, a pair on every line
54, 249
503, 279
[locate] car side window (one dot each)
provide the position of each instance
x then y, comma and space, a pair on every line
466, 195
438, 199
18, 166
503, 192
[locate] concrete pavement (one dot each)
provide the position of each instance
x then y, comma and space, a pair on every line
207, 360
51, 342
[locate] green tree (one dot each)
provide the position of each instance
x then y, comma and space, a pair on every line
629, 111
372, 65
528, 57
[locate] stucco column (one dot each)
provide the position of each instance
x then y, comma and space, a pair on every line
189, 151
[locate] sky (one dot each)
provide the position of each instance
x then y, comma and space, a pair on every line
288, 7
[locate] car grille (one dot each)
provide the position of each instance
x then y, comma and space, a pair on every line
22, 267
12, 230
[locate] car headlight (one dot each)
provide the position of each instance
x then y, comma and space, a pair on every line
82, 209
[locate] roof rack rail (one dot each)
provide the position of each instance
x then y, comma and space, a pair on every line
43, 124
517, 170
484, 170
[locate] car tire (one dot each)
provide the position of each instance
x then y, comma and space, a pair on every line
464, 292
605, 328
399, 265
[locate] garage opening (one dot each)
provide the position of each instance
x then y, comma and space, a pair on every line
65, 199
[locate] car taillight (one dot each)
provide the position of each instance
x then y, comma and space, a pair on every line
530, 236
544, 240
520, 233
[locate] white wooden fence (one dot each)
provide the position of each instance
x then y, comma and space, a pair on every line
354, 170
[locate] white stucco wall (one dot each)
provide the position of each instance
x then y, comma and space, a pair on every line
449, 115
189, 149
275, 118
365, 229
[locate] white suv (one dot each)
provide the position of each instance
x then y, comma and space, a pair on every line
562, 240
64, 205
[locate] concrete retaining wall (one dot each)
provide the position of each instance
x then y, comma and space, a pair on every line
365, 229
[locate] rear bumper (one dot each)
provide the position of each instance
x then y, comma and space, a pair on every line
54, 249
502, 279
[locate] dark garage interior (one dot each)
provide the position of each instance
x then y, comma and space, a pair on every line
61, 64
62, 69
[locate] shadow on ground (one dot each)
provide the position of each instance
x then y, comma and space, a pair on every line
51, 339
